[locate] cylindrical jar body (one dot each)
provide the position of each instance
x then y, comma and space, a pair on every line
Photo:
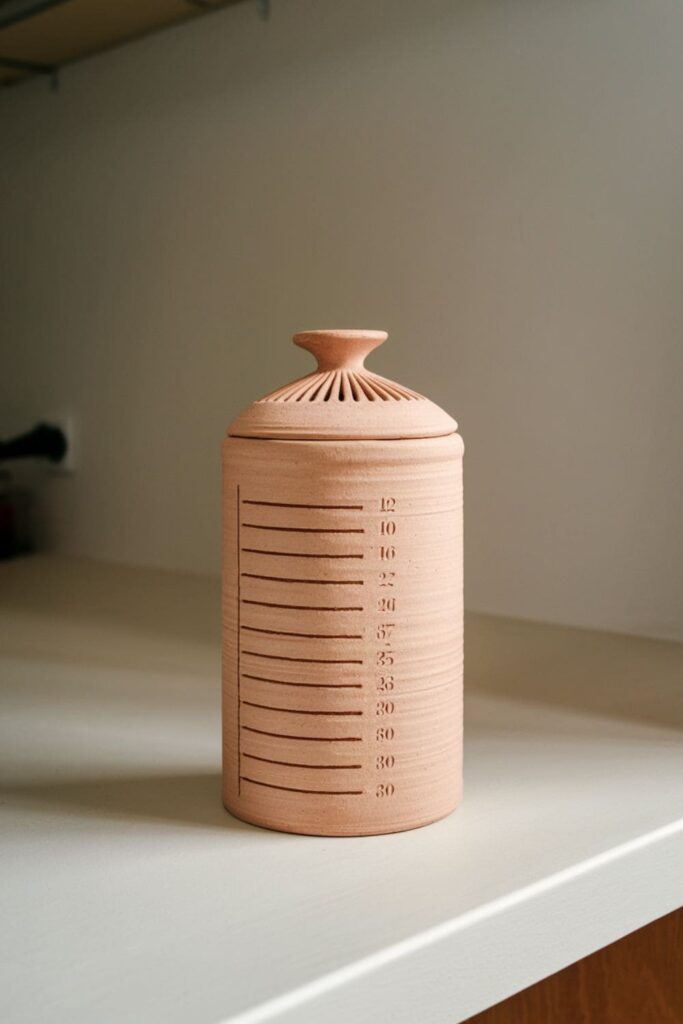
342, 633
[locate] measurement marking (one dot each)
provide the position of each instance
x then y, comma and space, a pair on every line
295, 529
288, 504
303, 607
308, 739
292, 789
296, 764
295, 554
287, 579
317, 686
306, 636
296, 711
312, 661
239, 674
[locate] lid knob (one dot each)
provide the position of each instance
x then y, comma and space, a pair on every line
340, 350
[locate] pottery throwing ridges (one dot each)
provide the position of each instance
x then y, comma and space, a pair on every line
342, 608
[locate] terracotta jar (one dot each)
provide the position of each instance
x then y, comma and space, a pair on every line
342, 602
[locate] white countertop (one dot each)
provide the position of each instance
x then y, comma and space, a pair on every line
129, 895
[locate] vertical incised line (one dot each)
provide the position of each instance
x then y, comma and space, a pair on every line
239, 645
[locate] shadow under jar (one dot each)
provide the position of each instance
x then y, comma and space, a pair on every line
342, 602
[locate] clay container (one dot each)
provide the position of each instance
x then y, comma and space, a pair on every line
342, 602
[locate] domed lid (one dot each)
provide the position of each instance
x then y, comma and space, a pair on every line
341, 399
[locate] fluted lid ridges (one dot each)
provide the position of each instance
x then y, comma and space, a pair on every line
341, 399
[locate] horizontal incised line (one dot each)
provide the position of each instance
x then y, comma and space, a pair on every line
296, 764
294, 554
308, 739
288, 504
292, 789
321, 583
306, 636
312, 661
317, 686
302, 607
296, 711
295, 529
431, 512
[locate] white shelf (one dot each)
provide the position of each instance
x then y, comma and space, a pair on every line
128, 894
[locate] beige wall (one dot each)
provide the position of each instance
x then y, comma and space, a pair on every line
497, 184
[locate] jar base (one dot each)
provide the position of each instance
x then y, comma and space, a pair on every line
337, 833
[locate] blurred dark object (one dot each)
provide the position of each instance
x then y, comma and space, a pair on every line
43, 442
16, 503
15, 518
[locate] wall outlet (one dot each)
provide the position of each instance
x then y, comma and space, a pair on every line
68, 425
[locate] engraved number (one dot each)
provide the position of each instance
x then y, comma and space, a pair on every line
385, 789
385, 658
